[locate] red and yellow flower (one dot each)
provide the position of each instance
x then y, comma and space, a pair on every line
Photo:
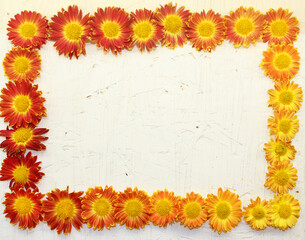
173, 21
23, 207
133, 208
245, 26
111, 29
281, 27
98, 207
70, 30
206, 30
22, 64
63, 210
28, 29
279, 151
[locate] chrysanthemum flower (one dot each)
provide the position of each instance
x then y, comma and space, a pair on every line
165, 206
279, 151
281, 177
285, 211
21, 104
224, 210
62, 210
192, 212
281, 27
22, 64
23, 207
70, 30
111, 29
98, 207
146, 33
257, 214
281, 62
206, 30
173, 21
245, 26
286, 96
21, 170
284, 125
28, 29
20, 139
133, 208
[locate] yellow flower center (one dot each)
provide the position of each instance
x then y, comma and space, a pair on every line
101, 207
244, 26
73, 31
223, 210
258, 212
28, 30
284, 211
143, 30
280, 149
163, 207
21, 174
206, 29
22, 103
192, 210
23, 205
22, 135
286, 97
111, 29
133, 208
22, 65
285, 125
281, 177
173, 24
279, 28
282, 61
65, 209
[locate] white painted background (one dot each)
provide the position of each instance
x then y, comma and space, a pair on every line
181, 119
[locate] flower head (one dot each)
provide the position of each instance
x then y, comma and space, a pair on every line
279, 151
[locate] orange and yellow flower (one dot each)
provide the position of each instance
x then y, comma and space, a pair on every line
70, 30
281, 62
23, 207
165, 206
245, 26
146, 33
22, 64
279, 151
22, 104
133, 208
206, 30
98, 207
20, 139
111, 29
224, 210
281, 27
173, 21
192, 212
284, 125
63, 210
28, 30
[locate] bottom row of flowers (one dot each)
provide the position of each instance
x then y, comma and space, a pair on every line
100, 208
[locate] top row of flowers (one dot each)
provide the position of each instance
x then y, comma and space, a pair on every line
113, 28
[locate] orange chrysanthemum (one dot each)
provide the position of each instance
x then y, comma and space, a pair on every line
224, 210
20, 139
62, 210
284, 125
22, 104
23, 207
245, 26
192, 212
281, 27
281, 62
206, 30
70, 30
133, 208
23, 171
146, 33
173, 21
165, 206
28, 29
22, 64
98, 207
111, 29
279, 151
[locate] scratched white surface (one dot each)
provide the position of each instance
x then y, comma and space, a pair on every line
179, 119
